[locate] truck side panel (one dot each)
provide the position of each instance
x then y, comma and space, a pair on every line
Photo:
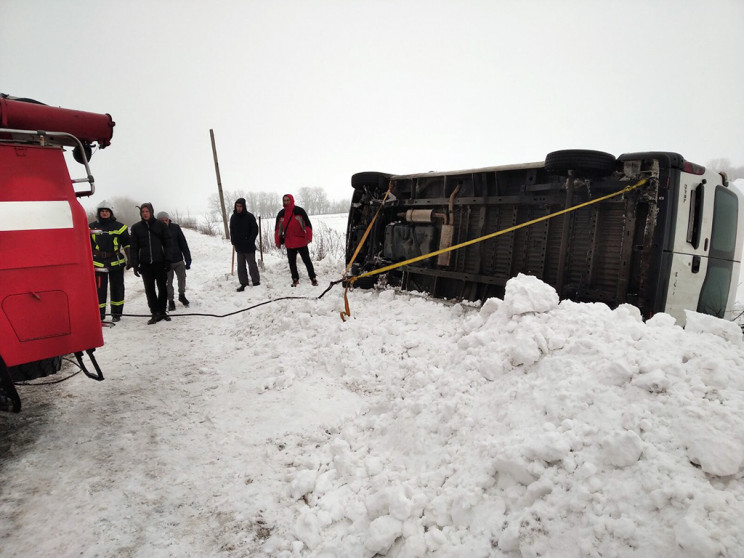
48, 303
632, 248
597, 253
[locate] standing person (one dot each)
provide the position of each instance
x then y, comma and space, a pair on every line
243, 233
108, 238
293, 229
179, 260
149, 243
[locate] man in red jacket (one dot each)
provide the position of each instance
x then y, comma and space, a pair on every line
293, 229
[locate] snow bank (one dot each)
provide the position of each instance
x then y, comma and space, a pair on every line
543, 429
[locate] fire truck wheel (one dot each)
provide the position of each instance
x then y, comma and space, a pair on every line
585, 163
36, 369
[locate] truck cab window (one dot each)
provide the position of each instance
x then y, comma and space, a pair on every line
715, 290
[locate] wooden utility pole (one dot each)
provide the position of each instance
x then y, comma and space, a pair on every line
260, 242
219, 185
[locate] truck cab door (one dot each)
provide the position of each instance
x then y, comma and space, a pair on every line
704, 270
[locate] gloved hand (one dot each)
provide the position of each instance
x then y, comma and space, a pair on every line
188, 265
128, 266
136, 272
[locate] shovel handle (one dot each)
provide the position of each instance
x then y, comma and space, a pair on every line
232, 266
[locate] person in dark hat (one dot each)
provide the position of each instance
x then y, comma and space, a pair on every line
179, 260
109, 241
150, 241
243, 234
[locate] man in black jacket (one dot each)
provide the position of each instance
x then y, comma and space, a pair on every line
179, 260
110, 244
243, 233
150, 240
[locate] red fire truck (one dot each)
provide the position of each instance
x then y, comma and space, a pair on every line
48, 303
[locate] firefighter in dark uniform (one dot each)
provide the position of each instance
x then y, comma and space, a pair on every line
110, 242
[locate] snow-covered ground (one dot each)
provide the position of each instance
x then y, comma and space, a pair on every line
415, 428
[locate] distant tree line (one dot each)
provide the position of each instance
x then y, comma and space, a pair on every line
267, 204
724, 165
264, 204
124, 208
126, 211
314, 200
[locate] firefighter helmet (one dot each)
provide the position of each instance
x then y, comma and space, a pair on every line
104, 204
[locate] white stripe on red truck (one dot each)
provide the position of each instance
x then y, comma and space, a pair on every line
35, 215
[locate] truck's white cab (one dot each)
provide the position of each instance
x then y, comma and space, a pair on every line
706, 245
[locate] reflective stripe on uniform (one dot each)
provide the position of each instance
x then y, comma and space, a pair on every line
120, 261
35, 215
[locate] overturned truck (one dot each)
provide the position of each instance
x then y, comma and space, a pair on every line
671, 241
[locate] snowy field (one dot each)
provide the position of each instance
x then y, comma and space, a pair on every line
521, 428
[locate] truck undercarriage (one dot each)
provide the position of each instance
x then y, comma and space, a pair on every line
605, 252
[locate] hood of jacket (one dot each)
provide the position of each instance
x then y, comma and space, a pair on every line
148, 205
240, 201
288, 210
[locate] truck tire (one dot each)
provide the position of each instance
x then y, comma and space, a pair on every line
36, 369
378, 180
366, 282
584, 163
10, 401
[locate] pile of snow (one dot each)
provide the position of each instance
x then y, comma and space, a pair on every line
543, 429
522, 427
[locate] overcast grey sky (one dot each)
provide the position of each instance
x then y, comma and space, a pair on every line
308, 92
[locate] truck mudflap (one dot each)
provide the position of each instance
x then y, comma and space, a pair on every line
10, 400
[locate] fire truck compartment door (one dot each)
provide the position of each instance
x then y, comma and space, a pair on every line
38, 315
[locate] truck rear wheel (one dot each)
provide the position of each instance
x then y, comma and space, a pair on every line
10, 401
377, 180
36, 369
584, 163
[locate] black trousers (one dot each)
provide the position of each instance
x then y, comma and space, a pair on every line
115, 278
305, 255
155, 275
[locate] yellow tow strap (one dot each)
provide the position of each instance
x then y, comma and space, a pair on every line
390, 267
346, 311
